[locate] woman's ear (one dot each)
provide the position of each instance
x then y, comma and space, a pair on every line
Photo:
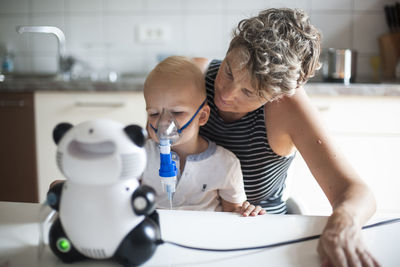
204, 115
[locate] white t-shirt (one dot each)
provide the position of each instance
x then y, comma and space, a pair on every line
206, 177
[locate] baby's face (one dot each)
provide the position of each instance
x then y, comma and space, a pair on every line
179, 96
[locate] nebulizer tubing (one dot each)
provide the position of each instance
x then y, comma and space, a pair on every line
45, 217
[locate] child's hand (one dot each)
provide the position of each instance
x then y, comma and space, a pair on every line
248, 209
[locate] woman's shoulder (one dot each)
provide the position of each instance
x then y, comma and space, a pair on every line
202, 63
205, 64
284, 118
288, 106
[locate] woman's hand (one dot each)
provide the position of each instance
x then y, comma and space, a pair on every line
341, 243
248, 209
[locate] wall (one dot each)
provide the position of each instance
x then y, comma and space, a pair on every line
103, 32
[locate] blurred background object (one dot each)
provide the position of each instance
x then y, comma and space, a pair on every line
339, 65
129, 36
375, 62
65, 62
389, 43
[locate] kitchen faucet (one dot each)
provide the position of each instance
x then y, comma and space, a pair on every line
65, 62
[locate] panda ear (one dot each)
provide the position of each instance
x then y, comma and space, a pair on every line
60, 130
137, 134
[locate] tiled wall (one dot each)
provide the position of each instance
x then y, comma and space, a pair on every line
103, 32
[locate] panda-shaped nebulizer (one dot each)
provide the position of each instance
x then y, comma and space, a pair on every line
103, 212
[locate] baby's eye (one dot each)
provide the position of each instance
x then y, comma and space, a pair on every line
177, 113
153, 115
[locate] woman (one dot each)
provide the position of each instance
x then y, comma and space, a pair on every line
259, 111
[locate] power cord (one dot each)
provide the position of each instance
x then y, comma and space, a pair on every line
284, 243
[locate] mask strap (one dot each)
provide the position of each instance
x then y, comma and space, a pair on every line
152, 127
187, 124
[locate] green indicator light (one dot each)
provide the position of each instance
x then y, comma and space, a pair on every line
63, 245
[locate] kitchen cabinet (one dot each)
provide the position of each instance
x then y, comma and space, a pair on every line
367, 130
74, 107
18, 176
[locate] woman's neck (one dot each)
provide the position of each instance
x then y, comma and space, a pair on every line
230, 116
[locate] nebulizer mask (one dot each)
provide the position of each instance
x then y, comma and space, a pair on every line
168, 133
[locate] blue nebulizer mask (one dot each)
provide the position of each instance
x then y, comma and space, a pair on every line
168, 133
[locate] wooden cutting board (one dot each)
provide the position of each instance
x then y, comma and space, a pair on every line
389, 45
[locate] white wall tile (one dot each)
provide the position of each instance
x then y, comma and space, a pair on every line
126, 61
120, 31
364, 67
254, 6
331, 5
302, 4
46, 42
336, 29
124, 5
205, 5
47, 6
23, 63
203, 33
85, 34
371, 5
103, 31
14, 6
84, 6
45, 64
367, 29
171, 5
9, 35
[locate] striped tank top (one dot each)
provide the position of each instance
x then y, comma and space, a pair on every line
264, 172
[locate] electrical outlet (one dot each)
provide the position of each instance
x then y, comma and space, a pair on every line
157, 34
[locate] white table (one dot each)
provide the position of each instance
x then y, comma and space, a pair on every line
19, 238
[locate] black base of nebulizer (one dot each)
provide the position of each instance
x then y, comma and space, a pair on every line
135, 249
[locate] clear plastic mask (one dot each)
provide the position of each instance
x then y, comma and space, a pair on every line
167, 127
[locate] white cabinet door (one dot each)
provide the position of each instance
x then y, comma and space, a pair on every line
52, 108
367, 130
376, 160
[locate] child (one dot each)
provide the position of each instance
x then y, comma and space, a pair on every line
209, 176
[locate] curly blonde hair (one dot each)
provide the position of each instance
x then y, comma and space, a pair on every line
280, 49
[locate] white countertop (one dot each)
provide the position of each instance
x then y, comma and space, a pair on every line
19, 235
355, 89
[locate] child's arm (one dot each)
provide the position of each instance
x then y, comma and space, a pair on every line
229, 206
233, 190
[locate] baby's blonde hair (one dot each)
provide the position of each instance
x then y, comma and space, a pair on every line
178, 67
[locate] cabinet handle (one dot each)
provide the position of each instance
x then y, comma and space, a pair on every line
12, 103
99, 104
